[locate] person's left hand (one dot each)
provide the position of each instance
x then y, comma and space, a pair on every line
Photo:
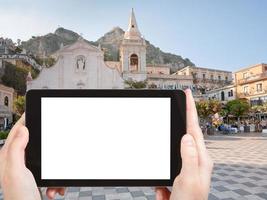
16, 180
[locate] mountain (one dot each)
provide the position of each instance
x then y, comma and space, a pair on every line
48, 44
110, 42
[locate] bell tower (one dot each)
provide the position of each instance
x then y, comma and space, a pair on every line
133, 52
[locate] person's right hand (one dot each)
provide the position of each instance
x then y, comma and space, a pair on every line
193, 183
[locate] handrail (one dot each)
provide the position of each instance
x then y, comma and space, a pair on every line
24, 57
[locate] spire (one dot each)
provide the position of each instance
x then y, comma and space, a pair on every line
132, 22
132, 31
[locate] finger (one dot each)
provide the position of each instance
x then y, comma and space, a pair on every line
162, 193
206, 171
19, 123
205, 162
51, 192
16, 149
192, 117
62, 191
193, 125
189, 156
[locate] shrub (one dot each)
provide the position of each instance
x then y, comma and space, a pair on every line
19, 105
3, 134
131, 84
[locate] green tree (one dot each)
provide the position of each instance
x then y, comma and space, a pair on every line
19, 105
208, 108
18, 50
259, 108
3, 135
108, 56
237, 108
203, 109
15, 77
131, 84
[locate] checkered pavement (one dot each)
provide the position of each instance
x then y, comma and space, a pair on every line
240, 170
109, 193
240, 173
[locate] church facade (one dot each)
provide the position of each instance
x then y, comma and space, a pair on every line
81, 65
78, 66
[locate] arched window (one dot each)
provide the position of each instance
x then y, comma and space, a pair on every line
134, 62
6, 101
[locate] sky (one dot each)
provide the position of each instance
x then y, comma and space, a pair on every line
222, 34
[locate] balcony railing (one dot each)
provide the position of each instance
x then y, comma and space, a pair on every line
212, 81
166, 76
251, 93
252, 78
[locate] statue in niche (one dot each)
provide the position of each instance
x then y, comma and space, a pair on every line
80, 63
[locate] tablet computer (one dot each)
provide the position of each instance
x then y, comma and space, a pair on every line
105, 137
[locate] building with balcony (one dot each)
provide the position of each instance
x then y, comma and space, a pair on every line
159, 76
223, 94
171, 81
251, 83
206, 79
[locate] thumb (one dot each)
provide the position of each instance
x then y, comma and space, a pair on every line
189, 156
16, 149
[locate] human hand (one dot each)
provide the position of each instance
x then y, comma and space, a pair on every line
193, 182
16, 180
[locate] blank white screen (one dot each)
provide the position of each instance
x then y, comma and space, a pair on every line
105, 138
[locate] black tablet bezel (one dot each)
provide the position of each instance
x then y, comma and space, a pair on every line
33, 123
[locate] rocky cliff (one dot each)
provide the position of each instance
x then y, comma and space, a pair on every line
110, 42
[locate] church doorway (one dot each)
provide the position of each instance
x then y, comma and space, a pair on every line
134, 63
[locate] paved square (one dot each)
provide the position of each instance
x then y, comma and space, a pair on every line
240, 172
